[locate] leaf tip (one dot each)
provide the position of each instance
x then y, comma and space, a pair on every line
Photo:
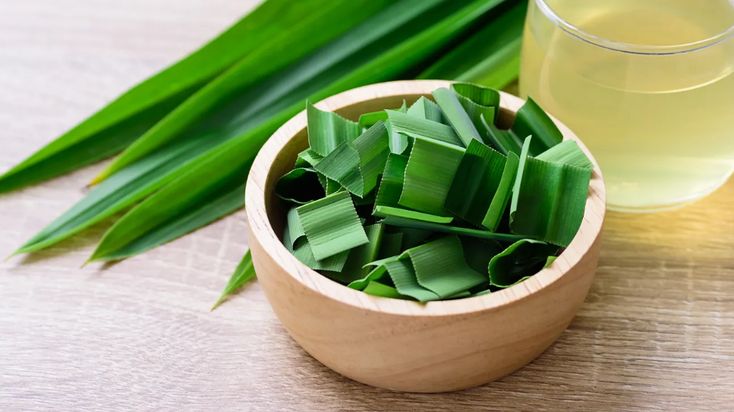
97, 179
218, 303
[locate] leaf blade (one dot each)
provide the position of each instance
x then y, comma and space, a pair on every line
119, 123
331, 225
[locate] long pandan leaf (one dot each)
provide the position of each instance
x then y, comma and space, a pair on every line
135, 182
258, 82
140, 179
490, 57
122, 121
176, 209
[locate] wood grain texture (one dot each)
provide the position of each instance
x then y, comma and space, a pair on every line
398, 344
655, 333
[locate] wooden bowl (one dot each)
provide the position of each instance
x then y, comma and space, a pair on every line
404, 345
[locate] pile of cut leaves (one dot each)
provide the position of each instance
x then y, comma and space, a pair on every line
434, 201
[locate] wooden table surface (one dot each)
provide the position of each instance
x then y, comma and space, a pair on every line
656, 331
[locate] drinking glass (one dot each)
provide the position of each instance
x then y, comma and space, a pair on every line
646, 84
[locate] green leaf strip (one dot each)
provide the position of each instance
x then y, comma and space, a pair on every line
531, 120
422, 128
385, 211
456, 115
519, 261
426, 109
357, 165
328, 130
331, 225
456, 230
475, 183
428, 175
502, 195
440, 267
567, 152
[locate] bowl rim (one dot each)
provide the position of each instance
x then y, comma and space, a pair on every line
261, 228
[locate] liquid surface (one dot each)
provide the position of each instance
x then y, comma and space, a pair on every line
661, 126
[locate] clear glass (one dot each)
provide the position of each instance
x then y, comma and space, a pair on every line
648, 85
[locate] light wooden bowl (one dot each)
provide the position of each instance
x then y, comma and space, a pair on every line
404, 345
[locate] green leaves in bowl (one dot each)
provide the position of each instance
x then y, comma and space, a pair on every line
453, 212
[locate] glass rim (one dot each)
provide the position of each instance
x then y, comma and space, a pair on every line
631, 48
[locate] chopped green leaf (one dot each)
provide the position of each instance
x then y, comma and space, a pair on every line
361, 255
503, 194
307, 158
567, 152
478, 102
531, 120
421, 128
300, 185
425, 109
428, 175
440, 267
391, 184
548, 199
375, 288
328, 130
404, 278
519, 261
385, 211
357, 165
303, 252
443, 228
331, 225
551, 201
475, 183
456, 115
504, 141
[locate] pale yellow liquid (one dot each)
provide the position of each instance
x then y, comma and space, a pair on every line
661, 126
